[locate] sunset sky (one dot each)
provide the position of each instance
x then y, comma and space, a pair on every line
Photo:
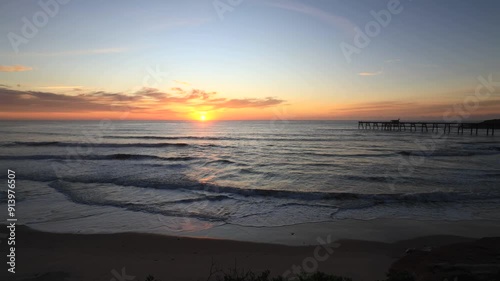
260, 59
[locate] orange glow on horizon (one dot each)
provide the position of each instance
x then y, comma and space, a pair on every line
295, 110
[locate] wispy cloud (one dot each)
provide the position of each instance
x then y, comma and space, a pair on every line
173, 23
81, 52
392, 61
377, 106
14, 68
423, 110
427, 65
59, 87
244, 103
182, 82
382, 69
337, 21
370, 73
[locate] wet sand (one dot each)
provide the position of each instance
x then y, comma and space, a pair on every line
50, 256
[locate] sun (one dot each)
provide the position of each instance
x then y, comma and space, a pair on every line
201, 116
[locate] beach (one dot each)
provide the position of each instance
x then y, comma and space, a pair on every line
182, 201
134, 256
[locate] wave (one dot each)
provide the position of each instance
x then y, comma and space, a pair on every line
337, 155
77, 144
289, 194
168, 138
184, 208
213, 138
348, 155
205, 198
98, 200
81, 190
494, 148
221, 161
95, 157
449, 153
368, 178
37, 133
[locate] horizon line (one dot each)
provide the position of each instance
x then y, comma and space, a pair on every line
233, 120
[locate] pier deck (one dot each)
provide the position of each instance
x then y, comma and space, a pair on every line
445, 127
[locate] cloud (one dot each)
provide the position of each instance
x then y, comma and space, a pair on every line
339, 22
392, 61
173, 23
199, 94
423, 110
376, 106
60, 87
182, 82
145, 100
426, 65
382, 69
75, 52
14, 68
370, 73
244, 103
34, 101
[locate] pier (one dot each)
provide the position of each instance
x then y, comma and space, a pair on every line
446, 127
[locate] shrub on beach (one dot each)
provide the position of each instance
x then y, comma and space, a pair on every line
399, 276
320, 276
265, 276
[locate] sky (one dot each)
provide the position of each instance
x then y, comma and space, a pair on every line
250, 59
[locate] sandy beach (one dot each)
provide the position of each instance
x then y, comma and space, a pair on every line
134, 256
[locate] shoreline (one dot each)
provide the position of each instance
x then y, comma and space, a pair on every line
306, 234
376, 230
167, 257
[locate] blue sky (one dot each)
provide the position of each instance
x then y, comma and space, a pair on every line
433, 51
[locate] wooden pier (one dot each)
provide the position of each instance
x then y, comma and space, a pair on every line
446, 127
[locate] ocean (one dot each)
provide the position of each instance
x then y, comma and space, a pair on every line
180, 177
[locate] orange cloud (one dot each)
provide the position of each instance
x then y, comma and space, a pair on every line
14, 68
370, 73
182, 82
80, 52
417, 110
148, 103
244, 103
